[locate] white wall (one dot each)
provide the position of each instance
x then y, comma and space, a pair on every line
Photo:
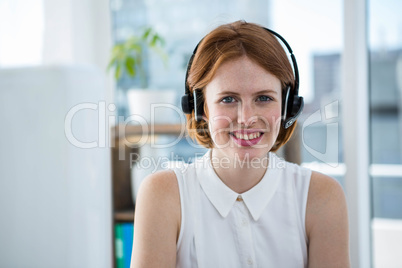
78, 32
55, 197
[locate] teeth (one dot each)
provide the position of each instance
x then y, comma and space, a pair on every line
247, 137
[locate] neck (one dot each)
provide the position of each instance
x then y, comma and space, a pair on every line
239, 174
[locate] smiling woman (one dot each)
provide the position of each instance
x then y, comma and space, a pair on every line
240, 205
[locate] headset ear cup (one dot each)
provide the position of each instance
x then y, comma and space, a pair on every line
296, 109
298, 105
186, 104
198, 105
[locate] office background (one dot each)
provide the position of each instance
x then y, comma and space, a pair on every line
329, 40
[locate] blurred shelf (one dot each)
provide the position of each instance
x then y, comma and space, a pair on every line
125, 140
124, 216
124, 131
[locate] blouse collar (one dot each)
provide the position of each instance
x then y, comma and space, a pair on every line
223, 198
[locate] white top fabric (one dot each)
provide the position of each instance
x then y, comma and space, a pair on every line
265, 229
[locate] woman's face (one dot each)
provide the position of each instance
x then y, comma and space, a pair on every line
244, 109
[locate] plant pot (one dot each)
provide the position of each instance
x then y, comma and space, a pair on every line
154, 106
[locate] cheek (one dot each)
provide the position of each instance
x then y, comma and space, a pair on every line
219, 123
276, 114
219, 118
278, 117
274, 117
273, 122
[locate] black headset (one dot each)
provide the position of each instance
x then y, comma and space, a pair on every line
292, 103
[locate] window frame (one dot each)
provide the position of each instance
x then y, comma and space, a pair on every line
355, 118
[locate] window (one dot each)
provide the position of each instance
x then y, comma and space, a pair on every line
21, 32
318, 52
385, 77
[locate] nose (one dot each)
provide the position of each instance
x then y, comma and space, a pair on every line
246, 114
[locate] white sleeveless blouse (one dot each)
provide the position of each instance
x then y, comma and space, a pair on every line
263, 227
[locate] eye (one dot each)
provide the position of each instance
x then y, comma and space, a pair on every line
264, 98
228, 99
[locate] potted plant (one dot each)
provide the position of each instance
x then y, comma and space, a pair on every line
128, 58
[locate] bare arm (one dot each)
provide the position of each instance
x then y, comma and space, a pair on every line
327, 223
157, 222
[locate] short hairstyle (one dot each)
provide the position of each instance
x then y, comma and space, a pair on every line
228, 42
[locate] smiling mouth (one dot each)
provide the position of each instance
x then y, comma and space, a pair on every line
247, 140
247, 137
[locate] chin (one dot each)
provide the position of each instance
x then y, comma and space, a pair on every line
248, 154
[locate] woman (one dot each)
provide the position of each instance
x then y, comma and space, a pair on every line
240, 205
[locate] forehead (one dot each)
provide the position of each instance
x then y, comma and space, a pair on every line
243, 75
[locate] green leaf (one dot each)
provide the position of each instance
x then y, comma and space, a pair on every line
130, 66
135, 48
117, 73
147, 32
126, 57
153, 41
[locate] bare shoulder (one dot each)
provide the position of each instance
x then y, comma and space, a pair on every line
157, 221
325, 199
161, 185
159, 193
327, 223
323, 190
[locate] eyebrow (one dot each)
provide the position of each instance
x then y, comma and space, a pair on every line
228, 92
